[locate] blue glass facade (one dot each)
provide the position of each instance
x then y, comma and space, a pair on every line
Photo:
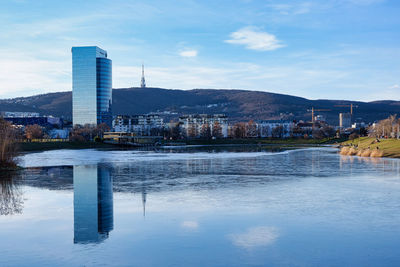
104, 91
93, 203
91, 86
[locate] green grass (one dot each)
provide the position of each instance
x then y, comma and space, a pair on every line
390, 147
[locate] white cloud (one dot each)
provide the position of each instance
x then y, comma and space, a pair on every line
395, 86
189, 53
365, 2
23, 75
255, 237
292, 9
191, 225
254, 39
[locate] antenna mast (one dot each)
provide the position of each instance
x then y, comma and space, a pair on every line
143, 81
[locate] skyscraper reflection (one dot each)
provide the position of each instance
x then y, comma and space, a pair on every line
93, 203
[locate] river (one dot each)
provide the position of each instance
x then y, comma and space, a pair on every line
201, 206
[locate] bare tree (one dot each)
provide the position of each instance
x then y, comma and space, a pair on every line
88, 132
205, 131
318, 133
8, 145
385, 128
191, 131
175, 131
278, 131
217, 130
251, 129
239, 130
101, 129
33, 132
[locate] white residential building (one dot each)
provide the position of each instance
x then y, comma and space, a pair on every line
192, 125
138, 124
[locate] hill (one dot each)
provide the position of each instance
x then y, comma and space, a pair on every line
239, 105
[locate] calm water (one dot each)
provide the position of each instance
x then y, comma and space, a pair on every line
201, 207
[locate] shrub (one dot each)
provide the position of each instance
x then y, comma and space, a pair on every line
8, 146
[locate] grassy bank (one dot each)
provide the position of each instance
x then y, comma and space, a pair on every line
41, 146
387, 147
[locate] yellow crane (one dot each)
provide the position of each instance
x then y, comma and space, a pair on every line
351, 106
313, 110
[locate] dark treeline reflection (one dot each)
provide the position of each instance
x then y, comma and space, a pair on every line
11, 197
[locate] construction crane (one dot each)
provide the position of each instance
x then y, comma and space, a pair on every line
351, 106
314, 110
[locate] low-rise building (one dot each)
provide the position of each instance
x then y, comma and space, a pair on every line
59, 133
18, 114
275, 128
138, 124
196, 125
320, 119
358, 125
48, 121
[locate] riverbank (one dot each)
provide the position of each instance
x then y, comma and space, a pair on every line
263, 141
43, 146
370, 147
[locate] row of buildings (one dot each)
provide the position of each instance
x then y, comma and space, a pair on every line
206, 126
188, 126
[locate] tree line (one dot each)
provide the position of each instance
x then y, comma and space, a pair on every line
387, 128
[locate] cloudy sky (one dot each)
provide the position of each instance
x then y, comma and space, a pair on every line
337, 49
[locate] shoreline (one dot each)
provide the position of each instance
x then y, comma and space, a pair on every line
44, 146
371, 147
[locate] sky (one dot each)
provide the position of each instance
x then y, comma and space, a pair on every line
325, 49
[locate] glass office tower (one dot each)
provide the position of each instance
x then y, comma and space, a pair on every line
91, 86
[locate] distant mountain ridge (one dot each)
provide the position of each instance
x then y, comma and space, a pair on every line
238, 105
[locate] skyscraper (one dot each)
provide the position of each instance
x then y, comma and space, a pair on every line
344, 120
91, 86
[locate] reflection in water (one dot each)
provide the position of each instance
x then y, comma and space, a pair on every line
255, 237
93, 203
11, 201
304, 207
369, 165
144, 194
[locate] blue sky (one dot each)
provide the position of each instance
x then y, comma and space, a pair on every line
336, 49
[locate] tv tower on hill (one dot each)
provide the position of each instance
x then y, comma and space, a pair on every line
143, 81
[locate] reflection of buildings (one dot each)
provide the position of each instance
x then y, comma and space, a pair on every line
144, 196
93, 203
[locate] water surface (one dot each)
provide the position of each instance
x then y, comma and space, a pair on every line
201, 207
